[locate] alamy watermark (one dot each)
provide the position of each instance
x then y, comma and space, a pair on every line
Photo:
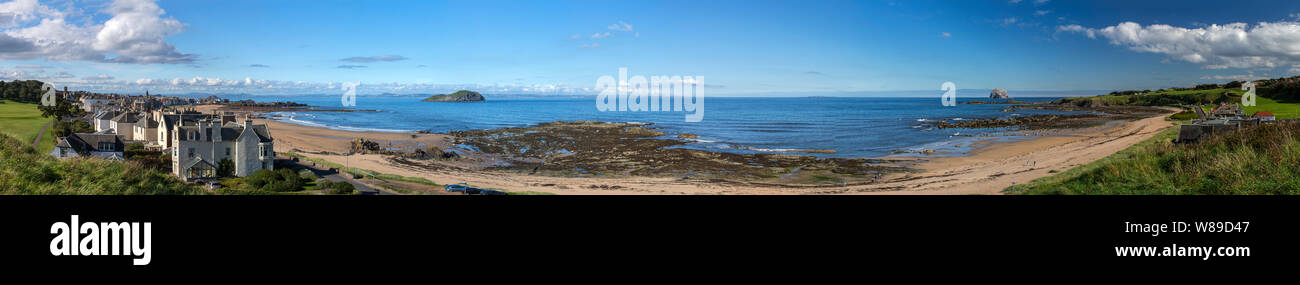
350, 94
49, 97
949, 97
656, 94
1248, 99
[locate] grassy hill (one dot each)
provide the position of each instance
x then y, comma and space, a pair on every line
25, 171
23, 121
1260, 160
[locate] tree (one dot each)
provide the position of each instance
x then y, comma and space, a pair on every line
66, 128
225, 168
62, 108
342, 188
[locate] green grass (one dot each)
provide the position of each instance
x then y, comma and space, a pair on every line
1260, 160
24, 171
23, 122
1279, 109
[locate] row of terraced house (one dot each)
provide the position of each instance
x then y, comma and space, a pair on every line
196, 142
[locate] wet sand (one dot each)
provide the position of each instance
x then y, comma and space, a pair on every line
986, 170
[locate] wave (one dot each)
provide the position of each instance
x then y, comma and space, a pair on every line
292, 119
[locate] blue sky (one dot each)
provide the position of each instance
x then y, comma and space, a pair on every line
561, 47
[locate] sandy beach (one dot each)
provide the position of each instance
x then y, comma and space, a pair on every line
986, 170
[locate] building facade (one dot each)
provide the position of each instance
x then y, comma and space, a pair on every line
198, 149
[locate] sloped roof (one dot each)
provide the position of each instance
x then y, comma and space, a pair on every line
86, 142
231, 132
128, 118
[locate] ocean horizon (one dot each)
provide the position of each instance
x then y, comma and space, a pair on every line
851, 127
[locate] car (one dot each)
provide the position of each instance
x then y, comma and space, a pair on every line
472, 191
455, 188
492, 192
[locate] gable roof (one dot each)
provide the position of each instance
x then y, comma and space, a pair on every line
230, 132
86, 142
1263, 114
126, 118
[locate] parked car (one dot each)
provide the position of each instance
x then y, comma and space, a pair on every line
472, 191
492, 192
455, 188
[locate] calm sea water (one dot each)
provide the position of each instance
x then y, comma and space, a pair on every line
853, 127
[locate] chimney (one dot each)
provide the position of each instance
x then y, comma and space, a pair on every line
216, 131
203, 130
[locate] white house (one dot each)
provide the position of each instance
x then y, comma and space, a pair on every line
104, 120
199, 149
107, 146
146, 130
124, 124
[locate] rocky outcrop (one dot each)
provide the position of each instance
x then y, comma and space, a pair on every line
459, 96
999, 94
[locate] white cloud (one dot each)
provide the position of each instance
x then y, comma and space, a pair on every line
365, 59
1240, 77
620, 26
1009, 21
1235, 45
101, 77
1014, 1
601, 35
1077, 29
1041, 12
17, 12
277, 87
135, 32
945, 34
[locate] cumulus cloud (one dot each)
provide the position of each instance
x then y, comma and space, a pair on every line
135, 32
620, 26
25, 73
278, 87
17, 12
601, 35
1235, 45
365, 59
101, 77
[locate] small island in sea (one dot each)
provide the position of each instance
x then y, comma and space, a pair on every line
459, 96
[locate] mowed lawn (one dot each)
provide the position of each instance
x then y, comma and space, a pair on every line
1279, 109
24, 121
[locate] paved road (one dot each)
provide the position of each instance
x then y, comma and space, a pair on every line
341, 177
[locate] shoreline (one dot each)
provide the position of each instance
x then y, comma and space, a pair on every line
986, 169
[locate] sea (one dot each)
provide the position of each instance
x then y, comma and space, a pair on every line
851, 127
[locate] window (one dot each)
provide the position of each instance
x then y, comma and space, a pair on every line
106, 146
227, 151
191, 152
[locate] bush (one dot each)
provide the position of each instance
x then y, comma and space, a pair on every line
225, 168
283, 180
342, 188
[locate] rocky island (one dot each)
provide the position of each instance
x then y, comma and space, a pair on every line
459, 96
